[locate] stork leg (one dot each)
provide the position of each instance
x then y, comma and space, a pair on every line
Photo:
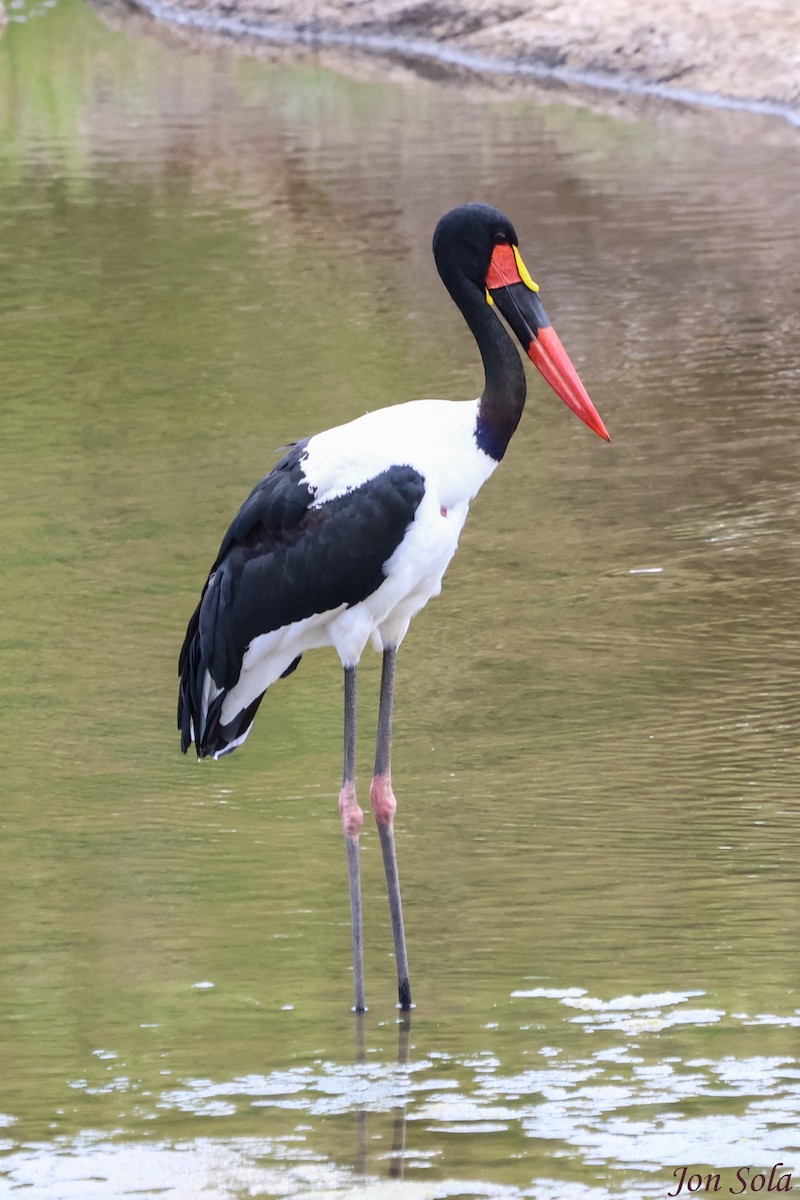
352, 820
384, 806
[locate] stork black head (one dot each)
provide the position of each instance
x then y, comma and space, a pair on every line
475, 248
464, 241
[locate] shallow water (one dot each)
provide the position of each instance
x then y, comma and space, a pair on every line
203, 257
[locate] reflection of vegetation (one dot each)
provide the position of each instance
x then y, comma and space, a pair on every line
43, 89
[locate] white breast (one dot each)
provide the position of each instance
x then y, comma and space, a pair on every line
437, 439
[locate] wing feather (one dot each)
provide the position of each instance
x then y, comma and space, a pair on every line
282, 560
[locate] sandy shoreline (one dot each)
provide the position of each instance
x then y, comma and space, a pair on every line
747, 55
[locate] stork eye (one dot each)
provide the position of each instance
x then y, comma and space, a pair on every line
500, 239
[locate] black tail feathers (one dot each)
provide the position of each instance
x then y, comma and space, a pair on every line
200, 722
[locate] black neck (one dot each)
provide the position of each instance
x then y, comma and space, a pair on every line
503, 396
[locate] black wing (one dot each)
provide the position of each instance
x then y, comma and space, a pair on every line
283, 560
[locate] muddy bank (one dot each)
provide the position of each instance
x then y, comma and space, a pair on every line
749, 54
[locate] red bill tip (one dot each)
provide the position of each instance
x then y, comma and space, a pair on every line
552, 361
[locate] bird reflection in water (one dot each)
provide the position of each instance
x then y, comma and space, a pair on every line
397, 1154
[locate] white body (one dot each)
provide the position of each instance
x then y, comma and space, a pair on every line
437, 439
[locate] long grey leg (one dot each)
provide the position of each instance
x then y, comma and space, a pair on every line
384, 806
352, 820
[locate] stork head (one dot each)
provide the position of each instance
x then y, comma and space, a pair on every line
476, 246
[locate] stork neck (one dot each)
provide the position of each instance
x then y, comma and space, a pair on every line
503, 397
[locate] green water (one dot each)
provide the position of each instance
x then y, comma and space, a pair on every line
203, 257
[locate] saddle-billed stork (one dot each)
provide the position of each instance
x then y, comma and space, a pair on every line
349, 535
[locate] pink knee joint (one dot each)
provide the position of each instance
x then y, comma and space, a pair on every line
352, 816
382, 799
